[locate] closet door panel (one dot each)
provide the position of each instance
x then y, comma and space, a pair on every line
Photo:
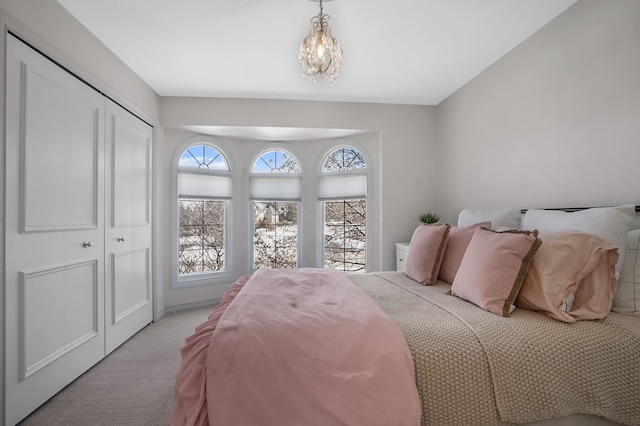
129, 289
54, 259
130, 149
60, 155
46, 297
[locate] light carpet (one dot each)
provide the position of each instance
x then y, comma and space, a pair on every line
132, 386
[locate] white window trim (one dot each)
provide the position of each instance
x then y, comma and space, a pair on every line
369, 196
239, 223
265, 196
200, 278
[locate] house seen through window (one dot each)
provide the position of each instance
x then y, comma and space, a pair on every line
275, 192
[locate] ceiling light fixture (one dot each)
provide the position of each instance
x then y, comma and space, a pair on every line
320, 54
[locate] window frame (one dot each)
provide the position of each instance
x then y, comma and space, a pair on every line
253, 198
211, 277
239, 207
368, 197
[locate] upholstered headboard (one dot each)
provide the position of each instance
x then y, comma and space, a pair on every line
634, 225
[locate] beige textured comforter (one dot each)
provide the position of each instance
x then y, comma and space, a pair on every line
473, 367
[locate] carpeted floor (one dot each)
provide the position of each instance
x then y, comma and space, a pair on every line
132, 386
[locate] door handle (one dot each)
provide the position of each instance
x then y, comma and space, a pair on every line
120, 239
86, 244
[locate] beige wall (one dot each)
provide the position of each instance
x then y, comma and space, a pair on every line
555, 123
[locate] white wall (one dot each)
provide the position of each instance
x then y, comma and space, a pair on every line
50, 28
400, 141
554, 123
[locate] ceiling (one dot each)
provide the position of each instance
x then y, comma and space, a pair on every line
396, 51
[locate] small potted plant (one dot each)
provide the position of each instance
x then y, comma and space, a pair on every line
428, 218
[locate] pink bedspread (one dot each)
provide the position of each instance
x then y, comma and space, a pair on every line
301, 347
190, 407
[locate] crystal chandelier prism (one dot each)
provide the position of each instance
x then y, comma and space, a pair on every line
320, 54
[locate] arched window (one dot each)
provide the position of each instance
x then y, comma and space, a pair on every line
204, 190
275, 191
342, 190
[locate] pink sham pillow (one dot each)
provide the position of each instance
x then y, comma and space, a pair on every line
426, 250
597, 290
571, 277
457, 242
493, 268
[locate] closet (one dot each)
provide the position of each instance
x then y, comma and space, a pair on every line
78, 228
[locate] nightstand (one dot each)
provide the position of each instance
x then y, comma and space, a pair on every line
401, 255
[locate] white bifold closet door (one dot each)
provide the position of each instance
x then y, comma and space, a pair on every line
128, 284
54, 230
77, 262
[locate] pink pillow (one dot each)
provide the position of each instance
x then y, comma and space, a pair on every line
571, 277
426, 250
493, 268
457, 242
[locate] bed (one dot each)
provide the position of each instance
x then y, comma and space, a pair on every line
313, 346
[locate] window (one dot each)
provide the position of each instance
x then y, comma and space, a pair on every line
299, 204
204, 190
342, 189
275, 191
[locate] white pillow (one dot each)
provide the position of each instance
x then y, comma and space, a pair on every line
610, 223
627, 298
507, 218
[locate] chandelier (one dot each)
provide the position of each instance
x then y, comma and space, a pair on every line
320, 54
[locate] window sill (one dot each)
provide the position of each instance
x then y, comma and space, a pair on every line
201, 279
